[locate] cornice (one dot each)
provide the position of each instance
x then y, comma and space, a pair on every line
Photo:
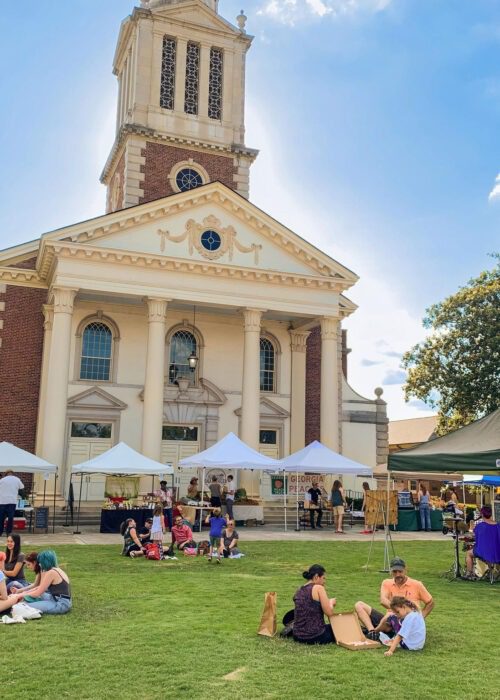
22, 278
187, 143
66, 250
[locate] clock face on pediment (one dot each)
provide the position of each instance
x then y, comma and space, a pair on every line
209, 233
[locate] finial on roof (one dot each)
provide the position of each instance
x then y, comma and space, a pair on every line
242, 20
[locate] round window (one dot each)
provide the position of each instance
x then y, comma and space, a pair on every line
210, 240
188, 179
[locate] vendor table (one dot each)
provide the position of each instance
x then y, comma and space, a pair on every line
409, 520
112, 518
248, 513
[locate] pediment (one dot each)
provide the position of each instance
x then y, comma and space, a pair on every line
172, 228
96, 398
268, 409
204, 394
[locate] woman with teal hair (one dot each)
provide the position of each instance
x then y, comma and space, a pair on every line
54, 590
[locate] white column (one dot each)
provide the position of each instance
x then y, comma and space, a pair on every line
250, 399
298, 342
329, 420
53, 438
154, 380
204, 80
48, 314
180, 75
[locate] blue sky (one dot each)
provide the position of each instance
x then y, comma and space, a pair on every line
377, 121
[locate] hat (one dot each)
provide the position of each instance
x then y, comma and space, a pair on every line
148, 520
397, 564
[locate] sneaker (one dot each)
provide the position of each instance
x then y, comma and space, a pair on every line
320, 527
218, 560
209, 558
374, 636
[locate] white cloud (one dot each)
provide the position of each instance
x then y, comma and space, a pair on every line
495, 192
292, 11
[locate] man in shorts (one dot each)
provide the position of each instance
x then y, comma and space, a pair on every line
402, 585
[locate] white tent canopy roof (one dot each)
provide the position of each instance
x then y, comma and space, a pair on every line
230, 453
122, 460
12, 457
318, 459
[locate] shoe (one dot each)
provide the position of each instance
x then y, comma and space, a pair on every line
340, 532
367, 532
209, 559
320, 527
218, 560
313, 527
374, 636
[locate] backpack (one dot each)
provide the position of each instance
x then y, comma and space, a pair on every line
152, 551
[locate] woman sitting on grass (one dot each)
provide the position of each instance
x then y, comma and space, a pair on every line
13, 567
132, 545
311, 604
6, 600
229, 541
53, 591
411, 635
33, 565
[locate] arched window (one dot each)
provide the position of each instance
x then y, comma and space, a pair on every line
182, 345
188, 179
96, 352
267, 365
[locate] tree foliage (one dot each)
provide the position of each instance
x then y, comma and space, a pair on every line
457, 368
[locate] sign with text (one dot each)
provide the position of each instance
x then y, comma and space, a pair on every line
301, 483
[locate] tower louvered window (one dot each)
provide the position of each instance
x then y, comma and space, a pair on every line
167, 86
192, 78
215, 84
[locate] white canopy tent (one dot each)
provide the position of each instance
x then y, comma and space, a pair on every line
12, 457
230, 453
319, 459
120, 460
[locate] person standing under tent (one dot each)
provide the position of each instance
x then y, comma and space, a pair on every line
164, 495
364, 505
10, 485
338, 505
424, 506
315, 493
230, 491
215, 493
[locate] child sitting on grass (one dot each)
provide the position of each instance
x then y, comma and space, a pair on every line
411, 635
217, 524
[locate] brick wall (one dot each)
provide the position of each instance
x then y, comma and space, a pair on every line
20, 363
160, 159
313, 385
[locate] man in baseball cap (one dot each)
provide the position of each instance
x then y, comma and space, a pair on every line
402, 585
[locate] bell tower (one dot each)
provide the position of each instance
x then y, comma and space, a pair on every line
181, 99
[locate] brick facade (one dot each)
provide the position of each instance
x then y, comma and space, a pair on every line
161, 158
313, 385
21, 363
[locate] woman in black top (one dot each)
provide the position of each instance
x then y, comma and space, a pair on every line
14, 563
311, 604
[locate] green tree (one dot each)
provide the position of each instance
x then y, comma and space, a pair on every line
457, 368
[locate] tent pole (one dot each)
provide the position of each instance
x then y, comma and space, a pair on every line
202, 495
53, 505
284, 495
44, 490
493, 503
297, 498
77, 531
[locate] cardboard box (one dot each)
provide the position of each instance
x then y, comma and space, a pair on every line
348, 634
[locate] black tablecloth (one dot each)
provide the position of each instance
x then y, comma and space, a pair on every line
112, 519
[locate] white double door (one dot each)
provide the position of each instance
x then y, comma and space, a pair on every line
172, 451
93, 486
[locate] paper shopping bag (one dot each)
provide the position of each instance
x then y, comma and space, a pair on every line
268, 623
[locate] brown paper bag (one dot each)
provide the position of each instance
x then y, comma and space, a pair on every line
268, 625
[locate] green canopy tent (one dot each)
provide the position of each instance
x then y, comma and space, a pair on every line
469, 450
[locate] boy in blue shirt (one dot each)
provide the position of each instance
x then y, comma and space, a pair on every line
217, 524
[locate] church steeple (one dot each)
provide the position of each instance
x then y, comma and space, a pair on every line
180, 117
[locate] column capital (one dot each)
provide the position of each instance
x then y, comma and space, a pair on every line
251, 319
298, 340
329, 327
48, 316
157, 309
63, 299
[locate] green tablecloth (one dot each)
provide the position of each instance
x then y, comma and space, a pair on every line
409, 520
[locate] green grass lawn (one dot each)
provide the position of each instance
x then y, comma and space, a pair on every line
143, 629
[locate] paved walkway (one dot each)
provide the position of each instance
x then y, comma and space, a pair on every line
266, 533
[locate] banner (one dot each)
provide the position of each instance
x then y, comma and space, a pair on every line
278, 485
301, 483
